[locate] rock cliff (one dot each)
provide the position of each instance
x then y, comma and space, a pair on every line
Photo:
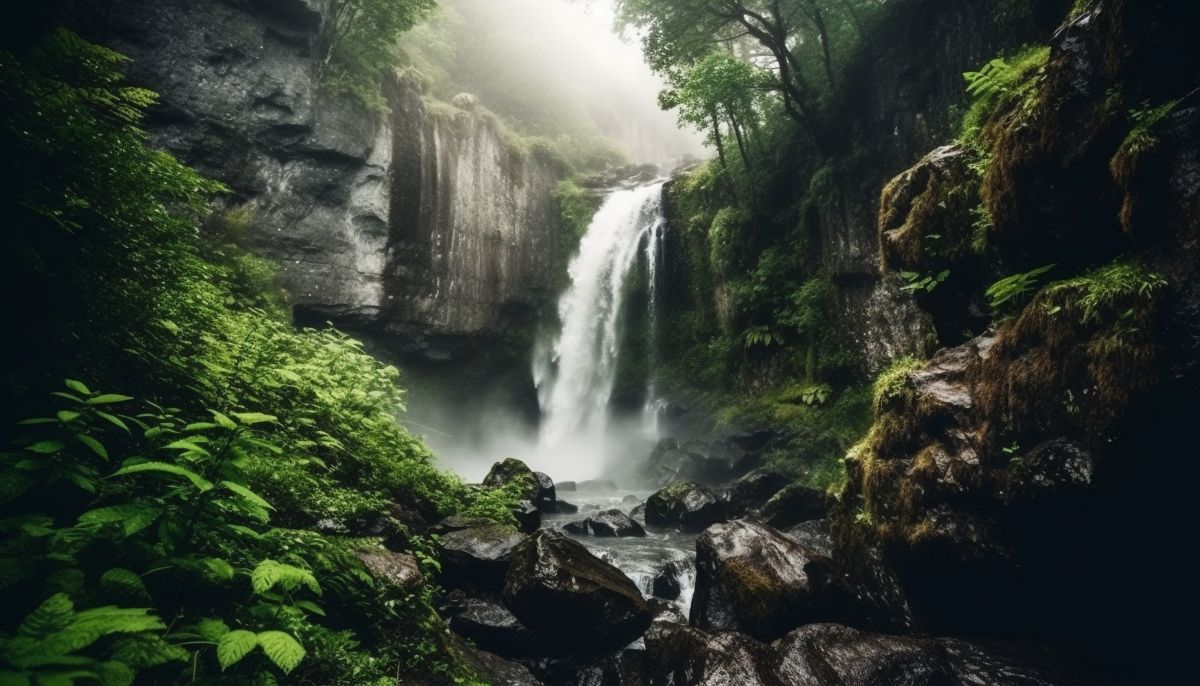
427, 230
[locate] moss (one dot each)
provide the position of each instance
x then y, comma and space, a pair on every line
1079, 357
892, 383
1133, 157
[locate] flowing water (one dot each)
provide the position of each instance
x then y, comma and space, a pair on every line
575, 375
639, 558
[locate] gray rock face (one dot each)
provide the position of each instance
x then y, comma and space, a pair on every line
753, 579
419, 229
493, 628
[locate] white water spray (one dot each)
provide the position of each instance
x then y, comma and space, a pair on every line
575, 377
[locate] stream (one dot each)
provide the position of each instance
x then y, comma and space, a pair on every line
639, 558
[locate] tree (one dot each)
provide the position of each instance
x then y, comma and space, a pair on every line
358, 43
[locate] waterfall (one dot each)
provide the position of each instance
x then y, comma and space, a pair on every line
575, 375
654, 406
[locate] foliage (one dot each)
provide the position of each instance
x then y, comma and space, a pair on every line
891, 383
1098, 291
1015, 289
358, 44
999, 82
250, 433
916, 282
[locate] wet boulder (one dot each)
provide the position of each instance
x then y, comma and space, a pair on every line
563, 507
668, 582
753, 490
686, 506
493, 628
546, 495
680, 655
610, 523
574, 601
511, 471
751, 578
834, 654
495, 669
477, 558
528, 516
794, 504
631, 499
815, 534
458, 523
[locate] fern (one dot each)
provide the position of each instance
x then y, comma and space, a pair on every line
1015, 288
282, 649
990, 80
234, 646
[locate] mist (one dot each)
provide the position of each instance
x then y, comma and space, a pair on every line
553, 68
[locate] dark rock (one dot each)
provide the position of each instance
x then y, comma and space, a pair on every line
611, 523
639, 512
752, 578
833, 654
1053, 469
513, 471
493, 628
667, 583
631, 499
815, 534
397, 525
685, 506
458, 523
563, 507
605, 485
622, 668
794, 504
679, 655
546, 495
528, 516
754, 441
478, 558
399, 570
496, 670
753, 490
567, 486
573, 600
667, 611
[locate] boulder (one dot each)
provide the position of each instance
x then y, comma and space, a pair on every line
458, 523
680, 655
667, 582
398, 570
605, 485
574, 601
685, 506
610, 523
622, 668
639, 513
493, 628
752, 578
815, 534
753, 490
528, 516
631, 498
513, 471
546, 495
495, 669
820, 654
477, 558
563, 507
794, 504
567, 486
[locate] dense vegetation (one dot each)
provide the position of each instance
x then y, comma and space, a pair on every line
197, 499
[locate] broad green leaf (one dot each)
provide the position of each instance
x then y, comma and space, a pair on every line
217, 569
247, 494
212, 629
132, 517
46, 447
198, 481
66, 416
93, 444
285, 651
78, 387
234, 646
223, 420
122, 585
251, 418
186, 444
108, 399
113, 419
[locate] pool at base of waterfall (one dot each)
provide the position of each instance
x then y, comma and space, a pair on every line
640, 558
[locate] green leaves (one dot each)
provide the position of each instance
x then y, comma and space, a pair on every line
1015, 288
279, 647
198, 481
234, 646
269, 573
282, 649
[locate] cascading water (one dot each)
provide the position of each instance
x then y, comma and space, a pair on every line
575, 376
654, 405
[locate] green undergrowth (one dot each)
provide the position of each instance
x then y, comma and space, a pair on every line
202, 523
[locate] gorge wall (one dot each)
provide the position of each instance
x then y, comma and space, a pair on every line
426, 230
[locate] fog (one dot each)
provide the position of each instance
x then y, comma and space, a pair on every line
555, 67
